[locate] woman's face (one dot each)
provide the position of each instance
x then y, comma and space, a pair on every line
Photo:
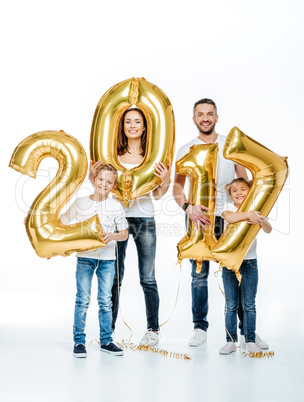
133, 125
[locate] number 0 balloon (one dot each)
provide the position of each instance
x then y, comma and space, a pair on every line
158, 111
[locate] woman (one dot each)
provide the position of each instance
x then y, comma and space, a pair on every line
131, 148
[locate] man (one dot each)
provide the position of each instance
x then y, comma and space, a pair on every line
205, 119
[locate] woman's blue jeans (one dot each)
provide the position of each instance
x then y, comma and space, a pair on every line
105, 274
143, 231
248, 290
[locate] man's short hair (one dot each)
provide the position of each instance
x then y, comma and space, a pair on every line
205, 100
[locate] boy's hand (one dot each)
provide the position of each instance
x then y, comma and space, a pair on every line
106, 237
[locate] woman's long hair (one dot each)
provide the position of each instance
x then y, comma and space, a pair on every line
122, 139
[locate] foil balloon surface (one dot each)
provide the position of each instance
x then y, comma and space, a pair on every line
200, 166
47, 234
269, 172
158, 111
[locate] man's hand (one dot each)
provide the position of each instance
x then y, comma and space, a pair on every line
195, 213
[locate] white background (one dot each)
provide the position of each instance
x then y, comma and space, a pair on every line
59, 57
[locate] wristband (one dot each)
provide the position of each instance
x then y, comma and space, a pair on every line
185, 206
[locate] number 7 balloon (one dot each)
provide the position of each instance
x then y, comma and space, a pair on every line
269, 172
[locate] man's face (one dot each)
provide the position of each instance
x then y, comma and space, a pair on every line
205, 118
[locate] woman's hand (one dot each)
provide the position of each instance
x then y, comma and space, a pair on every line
162, 172
92, 169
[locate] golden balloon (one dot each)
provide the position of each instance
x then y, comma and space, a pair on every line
158, 111
48, 235
200, 166
269, 172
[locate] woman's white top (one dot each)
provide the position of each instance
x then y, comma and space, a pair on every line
251, 253
141, 207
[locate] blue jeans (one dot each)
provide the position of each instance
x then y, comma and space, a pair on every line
84, 273
248, 288
199, 285
143, 231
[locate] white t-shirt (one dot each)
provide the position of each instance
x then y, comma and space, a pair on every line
141, 207
225, 170
111, 216
251, 253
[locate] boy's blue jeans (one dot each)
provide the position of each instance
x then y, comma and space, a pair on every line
105, 270
248, 288
143, 231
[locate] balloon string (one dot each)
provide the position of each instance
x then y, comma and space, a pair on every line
126, 344
118, 292
84, 312
177, 295
176, 299
257, 355
223, 293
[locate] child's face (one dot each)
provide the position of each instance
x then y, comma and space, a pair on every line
104, 182
238, 192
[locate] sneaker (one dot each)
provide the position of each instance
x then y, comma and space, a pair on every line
198, 338
260, 343
79, 350
228, 348
149, 339
252, 348
242, 341
112, 349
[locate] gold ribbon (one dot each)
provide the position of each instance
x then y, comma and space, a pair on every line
257, 355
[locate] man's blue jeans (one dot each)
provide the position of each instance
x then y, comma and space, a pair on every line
105, 274
199, 284
248, 288
143, 231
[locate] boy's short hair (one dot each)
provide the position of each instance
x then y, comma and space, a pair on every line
238, 180
109, 168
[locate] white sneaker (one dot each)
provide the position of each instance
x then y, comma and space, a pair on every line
260, 343
252, 347
149, 339
242, 341
228, 348
198, 338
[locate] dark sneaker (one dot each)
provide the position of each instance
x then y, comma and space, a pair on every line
79, 350
112, 349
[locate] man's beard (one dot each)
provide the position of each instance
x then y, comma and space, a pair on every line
205, 132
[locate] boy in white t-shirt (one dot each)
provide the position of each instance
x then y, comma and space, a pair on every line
101, 261
238, 190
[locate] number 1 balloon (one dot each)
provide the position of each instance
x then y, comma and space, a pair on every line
200, 166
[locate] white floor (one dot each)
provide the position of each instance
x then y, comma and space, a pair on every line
35, 368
